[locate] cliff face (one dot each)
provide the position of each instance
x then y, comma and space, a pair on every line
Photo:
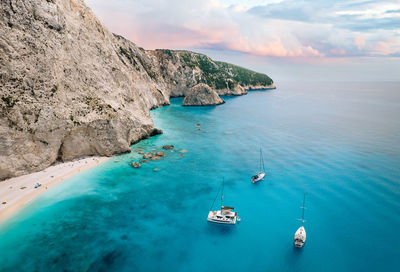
70, 88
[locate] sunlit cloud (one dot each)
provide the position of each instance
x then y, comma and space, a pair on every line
281, 28
374, 11
390, 46
359, 41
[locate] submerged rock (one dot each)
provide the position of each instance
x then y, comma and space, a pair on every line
135, 164
160, 154
148, 155
155, 158
143, 161
168, 147
156, 169
202, 95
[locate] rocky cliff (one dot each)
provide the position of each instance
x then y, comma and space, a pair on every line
70, 88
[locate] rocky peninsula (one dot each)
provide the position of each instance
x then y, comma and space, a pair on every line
69, 88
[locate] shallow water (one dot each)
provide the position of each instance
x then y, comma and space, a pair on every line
338, 142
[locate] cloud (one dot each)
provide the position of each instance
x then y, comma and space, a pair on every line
388, 47
337, 51
273, 48
359, 41
280, 28
376, 10
382, 48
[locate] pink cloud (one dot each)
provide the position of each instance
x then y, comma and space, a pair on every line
387, 47
382, 48
211, 24
227, 36
337, 51
359, 41
274, 48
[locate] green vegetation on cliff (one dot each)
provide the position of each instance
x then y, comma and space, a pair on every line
222, 75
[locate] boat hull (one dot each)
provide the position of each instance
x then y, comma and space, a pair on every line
260, 176
221, 222
300, 237
220, 218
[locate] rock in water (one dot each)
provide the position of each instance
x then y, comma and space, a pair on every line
135, 164
202, 95
155, 158
160, 154
148, 155
168, 147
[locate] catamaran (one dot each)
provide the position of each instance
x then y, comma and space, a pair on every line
300, 235
261, 174
224, 216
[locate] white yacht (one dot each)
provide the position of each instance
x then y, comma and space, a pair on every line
224, 216
300, 235
261, 174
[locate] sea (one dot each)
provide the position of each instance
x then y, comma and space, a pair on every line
336, 142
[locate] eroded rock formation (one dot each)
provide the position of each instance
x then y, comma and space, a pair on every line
202, 95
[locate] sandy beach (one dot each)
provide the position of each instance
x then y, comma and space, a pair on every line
17, 192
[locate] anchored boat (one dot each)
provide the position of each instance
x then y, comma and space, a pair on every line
261, 174
224, 216
300, 235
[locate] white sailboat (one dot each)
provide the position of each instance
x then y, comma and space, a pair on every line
225, 215
261, 174
300, 235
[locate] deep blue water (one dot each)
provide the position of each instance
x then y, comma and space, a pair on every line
338, 142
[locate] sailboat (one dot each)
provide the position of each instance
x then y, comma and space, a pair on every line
225, 215
261, 174
300, 235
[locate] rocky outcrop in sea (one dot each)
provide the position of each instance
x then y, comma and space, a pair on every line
69, 88
202, 95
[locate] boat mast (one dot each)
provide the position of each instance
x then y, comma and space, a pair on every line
222, 193
304, 202
261, 161
216, 196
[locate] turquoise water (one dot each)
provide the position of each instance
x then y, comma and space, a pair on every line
338, 142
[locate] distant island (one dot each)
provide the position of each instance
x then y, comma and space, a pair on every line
69, 88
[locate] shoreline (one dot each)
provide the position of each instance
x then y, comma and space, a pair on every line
19, 191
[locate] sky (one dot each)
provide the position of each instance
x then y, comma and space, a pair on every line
320, 40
